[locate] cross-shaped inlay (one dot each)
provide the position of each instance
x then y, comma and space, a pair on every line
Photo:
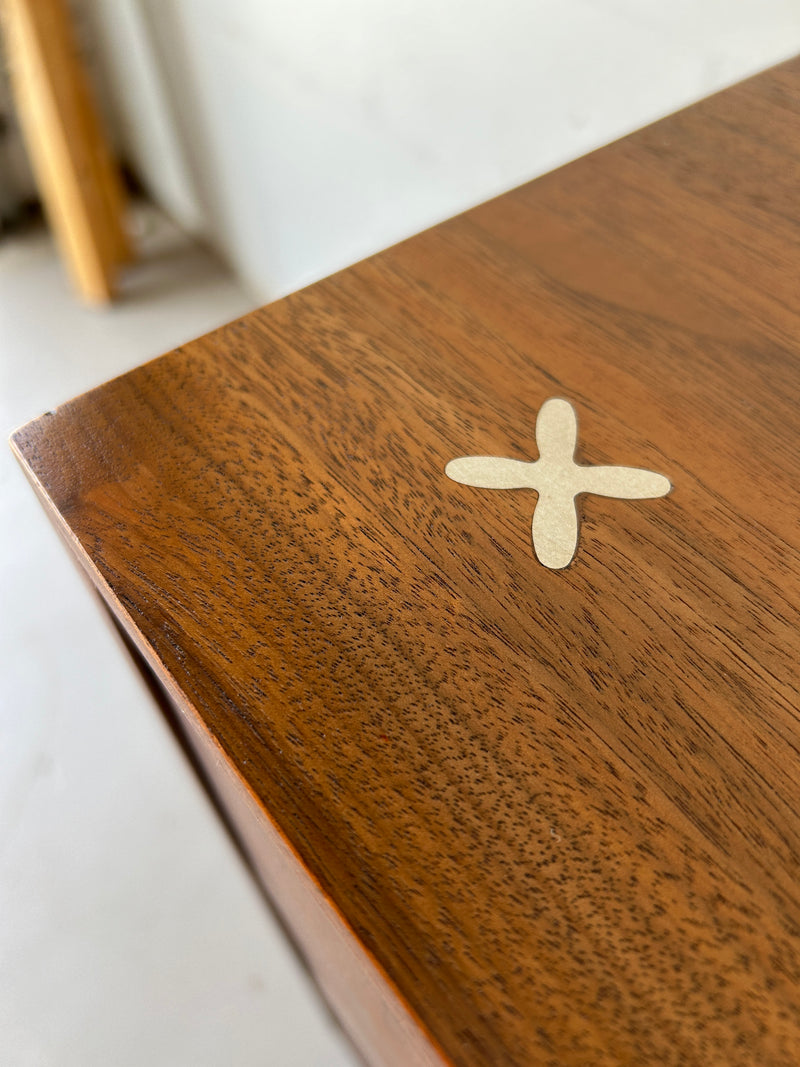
558, 479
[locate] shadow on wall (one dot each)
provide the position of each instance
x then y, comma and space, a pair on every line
137, 72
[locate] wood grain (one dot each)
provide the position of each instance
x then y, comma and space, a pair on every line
558, 809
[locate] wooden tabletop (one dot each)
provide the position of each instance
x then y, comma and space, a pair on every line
515, 815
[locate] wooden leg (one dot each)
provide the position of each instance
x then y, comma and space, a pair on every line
77, 178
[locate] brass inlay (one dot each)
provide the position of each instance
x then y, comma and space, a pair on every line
558, 479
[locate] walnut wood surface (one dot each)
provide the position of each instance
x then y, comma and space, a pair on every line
559, 808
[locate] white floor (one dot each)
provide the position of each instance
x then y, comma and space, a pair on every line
130, 932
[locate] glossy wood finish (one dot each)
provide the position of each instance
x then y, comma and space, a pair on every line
557, 809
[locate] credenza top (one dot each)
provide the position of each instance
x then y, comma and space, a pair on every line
559, 807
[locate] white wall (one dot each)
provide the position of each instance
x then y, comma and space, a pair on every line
302, 135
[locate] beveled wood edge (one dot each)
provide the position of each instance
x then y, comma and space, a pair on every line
378, 1019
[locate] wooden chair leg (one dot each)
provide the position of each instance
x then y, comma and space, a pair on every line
77, 178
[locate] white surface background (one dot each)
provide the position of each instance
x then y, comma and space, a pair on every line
295, 138
301, 136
